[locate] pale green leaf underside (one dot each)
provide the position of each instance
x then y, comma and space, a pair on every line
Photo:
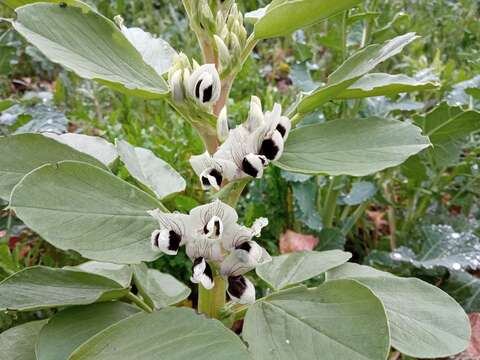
424, 321
121, 274
284, 17
23, 153
41, 287
99, 215
337, 320
70, 328
18, 343
170, 334
89, 44
293, 268
351, 147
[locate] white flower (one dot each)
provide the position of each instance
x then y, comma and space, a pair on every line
239, 234
245, 257
204, 84
212, 171
213, 219
172, 234
202, 273
241, 289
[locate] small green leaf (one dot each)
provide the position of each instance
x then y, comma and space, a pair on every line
150, 170
424, 321
41, 287
99, 215
18, 343
379, 84
352, 70
169, 334
86, 42
293, 268
465, 288
25, 152
360, 192
351, 147
70, 328
284, 17
121, 274
337, 320
158, 289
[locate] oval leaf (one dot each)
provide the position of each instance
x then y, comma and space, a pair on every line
25, 152
159, 290
424, 321
99, 215
351, 147
80, 323
342, 318
169, 334
289, 269
284, 17
122, 274
150, 170
89, 44
18, 343
41, 287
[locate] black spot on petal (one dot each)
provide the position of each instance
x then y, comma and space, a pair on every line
217, 175
205, 181
236, 286
216, 227
245, 246
269, 149
281, 129
155, 240
208, 271
197, 262
248, 168
197, 89
174, 240
207, 94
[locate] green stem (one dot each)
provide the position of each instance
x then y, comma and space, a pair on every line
139, 302
331, 202
211, 302
232, 191
344, 35
296, 119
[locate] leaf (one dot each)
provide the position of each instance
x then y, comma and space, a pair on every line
464, 288
331, 239
360, 63
89, 44
284, 17
360, 192
80, 323
7, 262
18, 343
447, 128
459, 95
40, 287
25, 152
305, 195
379, 84
442, 246
95, 146
99, 215
424, 321
293, 268
172, 334
121, 274
337, 320
351, 147
150, 170
159, 289
44, 118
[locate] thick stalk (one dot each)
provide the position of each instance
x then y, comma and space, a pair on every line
211, 302
139, 302
331, 202
392, 223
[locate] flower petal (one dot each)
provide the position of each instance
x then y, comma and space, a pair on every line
202, 273
241, 290
247, 256
202, 216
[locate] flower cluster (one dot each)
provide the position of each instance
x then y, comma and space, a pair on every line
211, 234
248, 148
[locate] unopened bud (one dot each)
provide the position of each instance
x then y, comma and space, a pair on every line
222, 125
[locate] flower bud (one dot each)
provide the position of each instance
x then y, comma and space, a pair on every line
272, 147
222, 125
176, 86
204, 85
202, 273
254, 165
222, 50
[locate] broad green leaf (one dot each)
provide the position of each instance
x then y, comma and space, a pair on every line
150, 170
351, 147
25, 152
99, 215
5, 104
70, 328
170, 334
95, 146
158, 289
89, 44
447, 128
331, 239
284, 17
18, 343
379, 84
41, 287
464, 288
442, 246
337, 320
293, 268
361, 191
305, 195
424, 321
352, 70
121, 274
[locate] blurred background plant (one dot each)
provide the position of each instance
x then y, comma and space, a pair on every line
419, 219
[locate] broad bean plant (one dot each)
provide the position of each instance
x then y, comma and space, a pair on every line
113, 306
